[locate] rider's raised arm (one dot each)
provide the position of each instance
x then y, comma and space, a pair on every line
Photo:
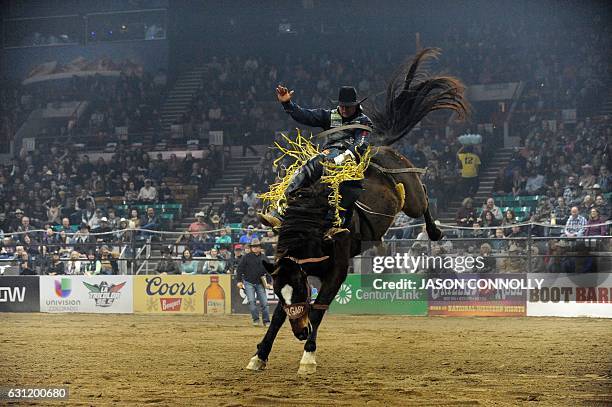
308, 117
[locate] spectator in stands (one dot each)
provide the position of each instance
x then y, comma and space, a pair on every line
604, 179
188, 264
103, 232
466, 215
225, 238
588, 179
214, 264
199, 226
571, 192
81, 202
250, 219
252, 277
489, 220
494, 209
198, 245
131, 194
165, 193
499, 242
82, 239
248, 235
54, 211
56, 266
148, 193
250, 197
509, 220
134, 221
26, 268
602, 206
595, 226
487, 260
92, 266
89, 215
73, 267
575, 225
514, 263
235, 259
535, 183
268, 242
108, 262
167, 265
150, 221
470, 164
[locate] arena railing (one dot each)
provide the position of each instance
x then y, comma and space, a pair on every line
136, 251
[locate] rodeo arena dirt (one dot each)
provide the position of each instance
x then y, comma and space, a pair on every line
306, 203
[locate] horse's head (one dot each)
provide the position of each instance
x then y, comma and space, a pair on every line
293, 291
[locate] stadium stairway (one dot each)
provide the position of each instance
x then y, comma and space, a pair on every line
606, 108
485, 190
233, 175
181, 95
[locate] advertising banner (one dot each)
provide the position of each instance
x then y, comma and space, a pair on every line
477, 294
571, 295
97, 294
183, 294
19, 294
381, 294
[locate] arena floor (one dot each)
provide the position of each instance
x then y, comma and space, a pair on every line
363, 360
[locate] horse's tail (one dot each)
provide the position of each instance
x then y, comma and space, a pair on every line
412, 93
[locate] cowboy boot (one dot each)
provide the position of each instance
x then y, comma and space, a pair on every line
299, 178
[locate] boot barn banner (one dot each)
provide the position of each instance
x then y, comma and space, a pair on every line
571, 295
240, 303
96, 294
186, 294
486, 295
19, 294
381, 294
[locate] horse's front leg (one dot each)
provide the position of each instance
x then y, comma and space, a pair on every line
258, 362
308, 364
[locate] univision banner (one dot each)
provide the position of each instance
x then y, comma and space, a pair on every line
381, 294
97, 294
571, 295
185, 294
19, 294
477, 294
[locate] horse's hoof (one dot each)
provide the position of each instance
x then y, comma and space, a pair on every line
256, 364
435, 235
307, 368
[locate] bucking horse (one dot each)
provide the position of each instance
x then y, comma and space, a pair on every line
391, 184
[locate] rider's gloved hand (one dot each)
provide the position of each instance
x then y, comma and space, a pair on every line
339, 159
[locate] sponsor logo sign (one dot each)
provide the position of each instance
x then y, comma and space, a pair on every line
185, 294
97, 294
571, 295
19, 294
477, 294
381, 294
240, 302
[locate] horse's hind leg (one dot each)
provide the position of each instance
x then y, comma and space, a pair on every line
417, 204
258, 362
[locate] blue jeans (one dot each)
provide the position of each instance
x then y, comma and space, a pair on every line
257, 289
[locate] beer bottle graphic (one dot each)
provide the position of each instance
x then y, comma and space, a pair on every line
214, 297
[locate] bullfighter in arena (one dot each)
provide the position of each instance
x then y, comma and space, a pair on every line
339, 146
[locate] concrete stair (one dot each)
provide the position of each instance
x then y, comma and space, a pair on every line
232, 176
181, 95
606, 106
485, 190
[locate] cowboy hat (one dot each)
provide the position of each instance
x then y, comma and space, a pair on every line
347, 96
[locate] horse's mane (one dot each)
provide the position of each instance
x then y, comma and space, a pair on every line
411, 94
301, 234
